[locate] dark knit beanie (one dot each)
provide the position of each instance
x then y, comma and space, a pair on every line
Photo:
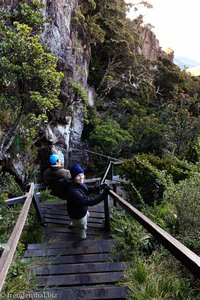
75, 170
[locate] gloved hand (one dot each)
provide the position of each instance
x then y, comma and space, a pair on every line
102, 186
106, 188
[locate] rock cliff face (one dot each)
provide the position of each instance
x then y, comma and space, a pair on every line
73, 59
149, 45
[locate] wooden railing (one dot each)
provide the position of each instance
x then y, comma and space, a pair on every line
182, 253
7, 255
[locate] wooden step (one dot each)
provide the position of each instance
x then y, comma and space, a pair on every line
79, 268
62, 212
87, 293
81, 258
80, 248
91, 219
79, 279
69, 235
65, 229
55, 233
63, 207
71, 244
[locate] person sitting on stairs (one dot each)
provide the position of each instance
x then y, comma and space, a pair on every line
78, 200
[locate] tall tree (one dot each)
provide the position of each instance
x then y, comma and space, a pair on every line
29, 81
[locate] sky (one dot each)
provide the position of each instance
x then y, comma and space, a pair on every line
176, 24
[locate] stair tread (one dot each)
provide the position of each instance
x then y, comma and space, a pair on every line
87, 293
78, 268
70, 244
82, 248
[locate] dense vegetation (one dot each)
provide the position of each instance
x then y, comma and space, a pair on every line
146, 113
29, 81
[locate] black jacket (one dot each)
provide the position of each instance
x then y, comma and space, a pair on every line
53, 178
78, 199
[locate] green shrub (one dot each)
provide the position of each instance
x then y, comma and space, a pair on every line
132, 238
178, 169
163, 214
193, 153
47, 196
109, 138
185, 196
149, 175
9, 186
147, 183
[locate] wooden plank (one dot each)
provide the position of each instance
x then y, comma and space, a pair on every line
182, 253
97, 257
52, 233
91, 219
54, 211
72, 244
53, 206
82, 248
91, 223
79, 279
50, 213
53, 228
88, 293
92, 180
71, 236
95, 208
65, 222
80, 268
64, 229
54, 238
7, 255
91, 231
56, 216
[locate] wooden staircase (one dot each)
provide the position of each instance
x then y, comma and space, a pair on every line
66, 268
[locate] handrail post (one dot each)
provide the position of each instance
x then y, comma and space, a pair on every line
112, 170
107, 215
39, 213
115, 191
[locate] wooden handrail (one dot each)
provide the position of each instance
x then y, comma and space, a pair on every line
106, 173
99, 154
7, 255
93, 180
181, 252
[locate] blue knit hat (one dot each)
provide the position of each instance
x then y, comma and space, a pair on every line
75, 170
